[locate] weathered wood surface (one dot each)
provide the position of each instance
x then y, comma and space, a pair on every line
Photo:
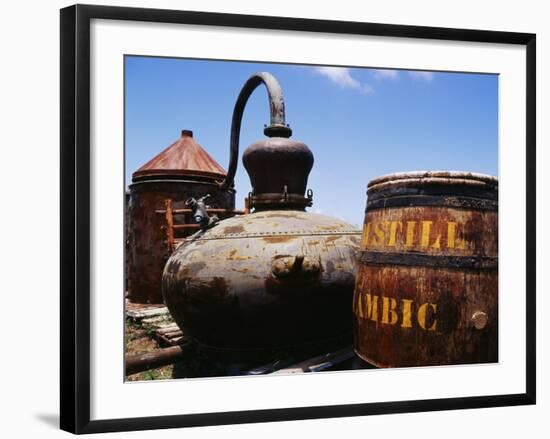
169, 335
138, 311
153, 360
427, 282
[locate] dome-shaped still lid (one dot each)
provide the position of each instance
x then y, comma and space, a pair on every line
278, 167
183, 158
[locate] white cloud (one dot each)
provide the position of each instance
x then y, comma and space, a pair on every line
424, 76
342, 77
381, 74
339, 75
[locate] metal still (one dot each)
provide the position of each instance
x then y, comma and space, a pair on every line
278, 279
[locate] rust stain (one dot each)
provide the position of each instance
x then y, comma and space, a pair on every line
330, 227
234, 257
280, 257
280, 215
219, 287
241, 270
183, 157
277, 239
184, 272
233, 229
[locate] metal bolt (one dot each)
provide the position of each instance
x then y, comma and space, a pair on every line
479, 319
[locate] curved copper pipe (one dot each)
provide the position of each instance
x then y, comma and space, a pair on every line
277, 127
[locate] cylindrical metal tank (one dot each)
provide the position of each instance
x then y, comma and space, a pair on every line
427, 281
278, 280
182, 170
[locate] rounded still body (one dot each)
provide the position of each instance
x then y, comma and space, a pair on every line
426, 290
267, 282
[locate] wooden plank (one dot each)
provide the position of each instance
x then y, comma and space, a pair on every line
168, 328
159, 321
154, 360
169, 337
142, 313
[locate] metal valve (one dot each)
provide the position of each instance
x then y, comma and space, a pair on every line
200, 214
296, 266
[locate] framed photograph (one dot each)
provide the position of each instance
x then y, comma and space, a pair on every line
305, 218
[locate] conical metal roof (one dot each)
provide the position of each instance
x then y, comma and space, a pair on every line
183, 158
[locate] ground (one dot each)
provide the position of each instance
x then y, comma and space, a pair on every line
140, 339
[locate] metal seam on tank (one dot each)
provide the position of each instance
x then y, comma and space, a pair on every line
274, 234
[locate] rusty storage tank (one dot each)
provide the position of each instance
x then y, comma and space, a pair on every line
427, 282
182, 170
276, 280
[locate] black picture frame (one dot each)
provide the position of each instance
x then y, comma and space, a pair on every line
75, 217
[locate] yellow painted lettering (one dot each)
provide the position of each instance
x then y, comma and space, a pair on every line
359, 306
451, 234
406, 309
426, 227
410, 233
379, 232
389, 304
372, 308
422, 310
365, 237
393, 232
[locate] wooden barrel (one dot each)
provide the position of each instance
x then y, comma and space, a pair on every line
426, 289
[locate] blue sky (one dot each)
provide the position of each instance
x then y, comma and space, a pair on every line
360, 123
